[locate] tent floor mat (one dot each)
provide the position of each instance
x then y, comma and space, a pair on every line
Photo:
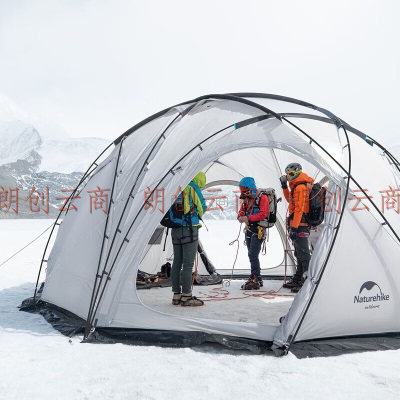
70, 325
346, 345
228, 303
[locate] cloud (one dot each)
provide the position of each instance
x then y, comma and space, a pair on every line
98, 67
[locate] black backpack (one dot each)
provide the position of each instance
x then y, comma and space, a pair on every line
317, 201
270, 220
167, 219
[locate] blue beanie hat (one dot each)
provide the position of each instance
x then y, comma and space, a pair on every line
248, 182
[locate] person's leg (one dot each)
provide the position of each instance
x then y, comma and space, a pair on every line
303, 256
248, 244
189, 253
177, 263
254, 251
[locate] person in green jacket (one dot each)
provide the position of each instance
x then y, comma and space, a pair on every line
189, 208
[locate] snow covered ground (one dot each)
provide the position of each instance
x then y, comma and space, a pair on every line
36, 362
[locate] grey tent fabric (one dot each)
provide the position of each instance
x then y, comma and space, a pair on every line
93, 264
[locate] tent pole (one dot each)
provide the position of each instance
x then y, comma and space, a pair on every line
85, 175
88, 327
96, 288
293, 337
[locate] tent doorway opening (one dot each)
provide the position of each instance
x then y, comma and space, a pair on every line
223, 249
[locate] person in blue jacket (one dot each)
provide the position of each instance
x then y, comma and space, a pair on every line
185, 240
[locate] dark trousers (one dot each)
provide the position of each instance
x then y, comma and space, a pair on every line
184, 255
303, 256
254, 244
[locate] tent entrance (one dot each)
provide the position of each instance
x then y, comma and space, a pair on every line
226, 303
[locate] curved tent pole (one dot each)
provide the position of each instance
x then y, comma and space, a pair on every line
163, 112
85, 175
196, 100
349, 175
107, 219
241, 123
239, 97
336, 228
337, 121
96, 287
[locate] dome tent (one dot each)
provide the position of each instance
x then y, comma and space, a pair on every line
350, 299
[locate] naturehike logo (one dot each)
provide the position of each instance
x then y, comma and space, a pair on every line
370, 292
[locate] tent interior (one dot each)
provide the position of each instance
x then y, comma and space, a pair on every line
222, 241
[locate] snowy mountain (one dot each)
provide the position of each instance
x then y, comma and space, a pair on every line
18, 141
51, 165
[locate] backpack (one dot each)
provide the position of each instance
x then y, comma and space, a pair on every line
317, 201
175, 217
270, 220
174, 214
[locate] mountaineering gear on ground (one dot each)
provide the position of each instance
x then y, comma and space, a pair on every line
165, 270
187, 300
251, 284
176, 299
298, 199
184, 254
293, 170
284, 181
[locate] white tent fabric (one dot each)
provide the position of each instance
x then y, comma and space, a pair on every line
96, 256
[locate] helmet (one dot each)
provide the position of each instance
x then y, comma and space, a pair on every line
293, 170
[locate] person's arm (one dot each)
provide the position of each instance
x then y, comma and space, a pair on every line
242, 211
284, 185
263, 210
286, 193
299, 197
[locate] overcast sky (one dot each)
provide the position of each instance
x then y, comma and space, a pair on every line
97, 67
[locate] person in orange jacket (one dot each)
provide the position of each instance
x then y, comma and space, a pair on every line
299, 229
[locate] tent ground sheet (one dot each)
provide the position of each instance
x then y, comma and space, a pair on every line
227, 302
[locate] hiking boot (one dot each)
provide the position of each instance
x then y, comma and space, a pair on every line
176, 299
260, 281
297, 288
244, 284
292, 284
251, 284
187, 300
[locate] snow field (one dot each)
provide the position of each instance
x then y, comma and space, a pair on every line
36, 362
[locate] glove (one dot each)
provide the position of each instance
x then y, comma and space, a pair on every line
294, 234
283, 180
